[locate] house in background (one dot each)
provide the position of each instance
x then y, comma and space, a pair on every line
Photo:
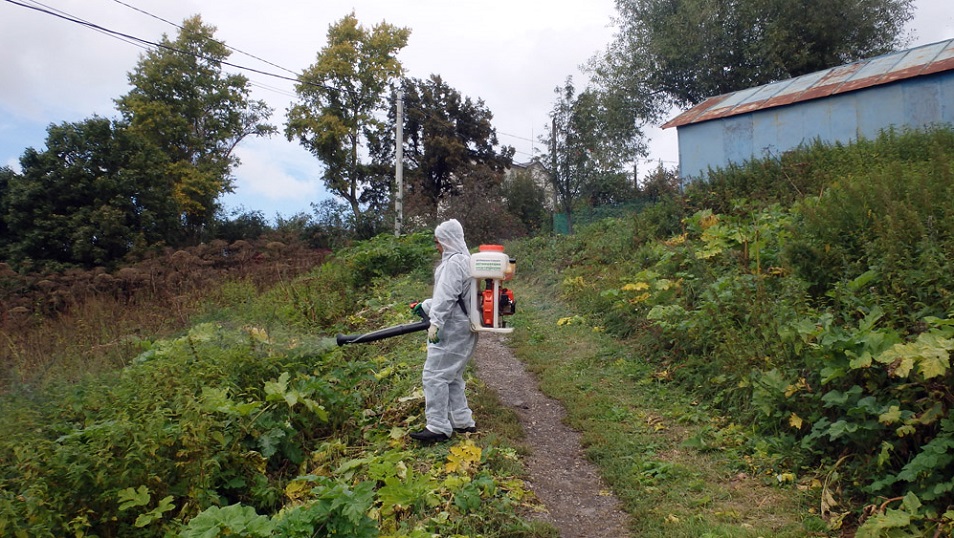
909, 89
540, 176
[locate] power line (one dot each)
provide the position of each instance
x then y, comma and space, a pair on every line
145, 42
144, 12
515, 136
60, 13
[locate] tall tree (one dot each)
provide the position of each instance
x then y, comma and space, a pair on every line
448, 137
182, 102
450, 144
97, 192
526, 200
7, 175
338, 97
693, 49
581, 162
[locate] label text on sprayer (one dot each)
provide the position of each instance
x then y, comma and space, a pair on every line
488, 265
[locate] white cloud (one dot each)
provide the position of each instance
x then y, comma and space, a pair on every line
276, 178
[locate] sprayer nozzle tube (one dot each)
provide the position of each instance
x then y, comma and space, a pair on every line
397, 330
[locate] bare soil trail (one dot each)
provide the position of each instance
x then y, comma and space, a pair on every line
578, 502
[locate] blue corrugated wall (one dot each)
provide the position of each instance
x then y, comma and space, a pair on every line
911, 103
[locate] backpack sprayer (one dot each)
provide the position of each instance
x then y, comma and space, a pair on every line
490, 266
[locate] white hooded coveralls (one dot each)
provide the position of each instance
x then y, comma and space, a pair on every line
445, 405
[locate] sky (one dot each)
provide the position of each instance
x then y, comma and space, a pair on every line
509, 53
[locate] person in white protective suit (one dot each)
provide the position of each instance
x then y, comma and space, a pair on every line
450, 341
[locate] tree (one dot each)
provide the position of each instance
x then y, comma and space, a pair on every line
572, 137
661, 183
187, 107
338, 97
96, 193
482, 210
450, 140
7, 176
526, 200
689, 50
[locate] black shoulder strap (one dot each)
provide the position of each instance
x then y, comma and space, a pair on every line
460, 299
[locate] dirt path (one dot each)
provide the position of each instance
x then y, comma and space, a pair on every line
577, 501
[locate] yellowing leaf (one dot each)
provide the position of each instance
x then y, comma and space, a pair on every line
297, 490
904, 367
795, 421
885, 455
385, 372
785, 478
930, 353
636, 286
792, 389
907, 429
258, 334
891, 416
463, 457
676, 241
707, 253
664, 284
935, 354
639, 298
708, 220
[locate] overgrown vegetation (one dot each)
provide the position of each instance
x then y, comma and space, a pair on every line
782, 331
808, 298
58, 326
252, 424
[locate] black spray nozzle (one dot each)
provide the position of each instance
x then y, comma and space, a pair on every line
381, 334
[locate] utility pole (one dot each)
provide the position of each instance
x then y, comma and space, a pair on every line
399, 165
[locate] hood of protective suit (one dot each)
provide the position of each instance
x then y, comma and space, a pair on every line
450, 234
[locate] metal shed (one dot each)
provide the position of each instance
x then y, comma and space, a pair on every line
907, 89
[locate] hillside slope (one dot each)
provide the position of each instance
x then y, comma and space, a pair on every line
807, 301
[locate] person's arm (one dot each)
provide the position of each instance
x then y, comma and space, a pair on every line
447, 289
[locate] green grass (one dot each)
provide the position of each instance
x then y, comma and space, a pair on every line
640, 430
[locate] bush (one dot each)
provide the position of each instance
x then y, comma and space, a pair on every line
809, 297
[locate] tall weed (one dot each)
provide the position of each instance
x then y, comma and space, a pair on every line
810, 297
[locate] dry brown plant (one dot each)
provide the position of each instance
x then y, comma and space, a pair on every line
59, 327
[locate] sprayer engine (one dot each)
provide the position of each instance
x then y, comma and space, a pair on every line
504, 304
487, 305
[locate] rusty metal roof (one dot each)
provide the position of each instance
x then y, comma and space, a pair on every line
919, 61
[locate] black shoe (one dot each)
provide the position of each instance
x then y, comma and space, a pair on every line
427, 436
468, 429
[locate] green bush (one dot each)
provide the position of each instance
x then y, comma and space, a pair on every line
809, 297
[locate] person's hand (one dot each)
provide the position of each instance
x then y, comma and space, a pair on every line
417, 308
432, 334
